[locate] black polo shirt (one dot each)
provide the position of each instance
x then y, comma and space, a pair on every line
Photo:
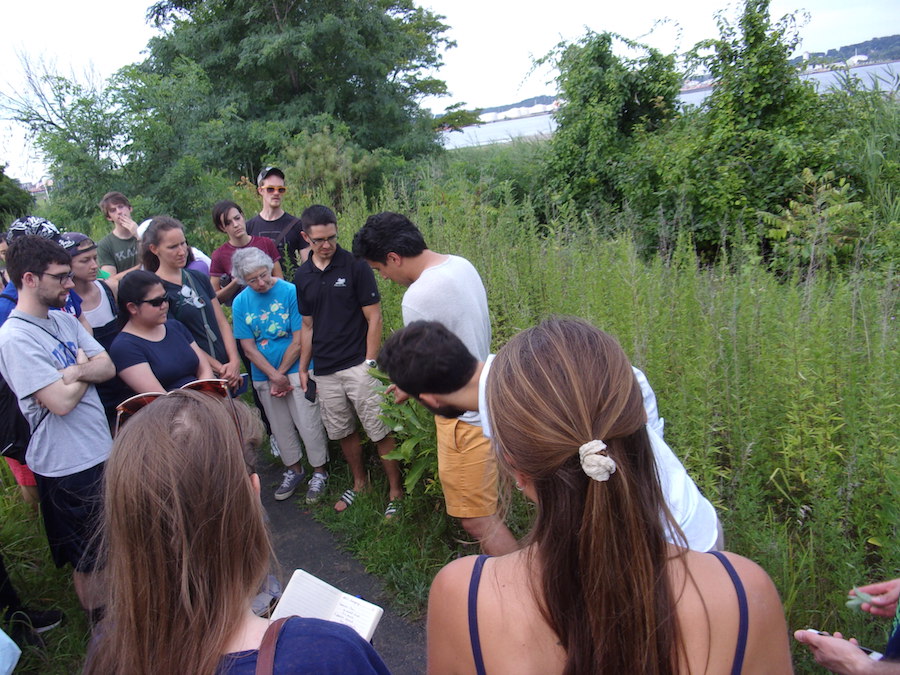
334, 298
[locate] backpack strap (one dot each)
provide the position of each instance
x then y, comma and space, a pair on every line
279, 240
37, 325
265, 660
110, 296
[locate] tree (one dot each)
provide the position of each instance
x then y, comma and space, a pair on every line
14, 201
607, 99
78, 128
274, 65
760, 121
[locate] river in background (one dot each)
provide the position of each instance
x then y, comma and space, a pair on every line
543, 125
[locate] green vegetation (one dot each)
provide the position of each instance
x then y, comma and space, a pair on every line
778, 396
744, 253
14, 201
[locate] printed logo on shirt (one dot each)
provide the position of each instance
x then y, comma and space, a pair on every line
191, 298
65, 356
340, 283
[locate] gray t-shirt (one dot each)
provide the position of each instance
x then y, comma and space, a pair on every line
452, 292
30, 359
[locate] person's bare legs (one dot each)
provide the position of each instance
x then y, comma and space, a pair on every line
391, 467
492, 533
351, 446
31, 496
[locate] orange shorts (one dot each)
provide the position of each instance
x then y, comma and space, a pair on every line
467, 469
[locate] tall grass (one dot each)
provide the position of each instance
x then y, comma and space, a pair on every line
779, 397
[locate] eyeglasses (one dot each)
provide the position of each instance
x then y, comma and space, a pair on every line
259, 277
215, 387
323, 240
280, 189
154, 302
62, 277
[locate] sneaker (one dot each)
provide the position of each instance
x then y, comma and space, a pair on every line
267, 597
289, 484
37, 620
273, 447
316, 487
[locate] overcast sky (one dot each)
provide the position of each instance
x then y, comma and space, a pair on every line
496, 41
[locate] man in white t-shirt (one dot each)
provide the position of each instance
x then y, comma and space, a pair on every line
429, 360
448, 289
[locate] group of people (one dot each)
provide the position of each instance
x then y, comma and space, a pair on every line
623, 570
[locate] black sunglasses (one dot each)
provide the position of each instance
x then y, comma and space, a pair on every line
154, 302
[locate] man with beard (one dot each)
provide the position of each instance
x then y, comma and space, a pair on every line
430, 363
51, 363
445, 288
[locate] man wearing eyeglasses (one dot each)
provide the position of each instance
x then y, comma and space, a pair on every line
341, 309
52, 364
276, 223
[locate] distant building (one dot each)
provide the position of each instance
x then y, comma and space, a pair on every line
39, 191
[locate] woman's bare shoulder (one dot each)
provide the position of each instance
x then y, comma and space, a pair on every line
768, 648
454, 574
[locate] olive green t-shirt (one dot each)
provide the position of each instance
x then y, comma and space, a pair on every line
123, 253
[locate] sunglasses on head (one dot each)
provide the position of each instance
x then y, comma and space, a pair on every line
215, 387
280, 189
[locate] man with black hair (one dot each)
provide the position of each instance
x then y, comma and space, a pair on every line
341, 308
429, 362
448, 289
275, 223
51, 363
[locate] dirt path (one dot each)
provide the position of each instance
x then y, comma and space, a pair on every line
302, 542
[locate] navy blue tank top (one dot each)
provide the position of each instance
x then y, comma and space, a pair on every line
743, 614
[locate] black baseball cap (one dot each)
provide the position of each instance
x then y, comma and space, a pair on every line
76, 243
268, 171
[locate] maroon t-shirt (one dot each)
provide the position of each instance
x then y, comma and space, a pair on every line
221, 257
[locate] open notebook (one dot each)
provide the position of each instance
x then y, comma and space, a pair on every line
308, 596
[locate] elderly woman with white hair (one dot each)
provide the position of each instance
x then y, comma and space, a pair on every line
267, 322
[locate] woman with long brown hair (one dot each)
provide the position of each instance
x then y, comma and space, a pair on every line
596, 587
187, 549
192, 300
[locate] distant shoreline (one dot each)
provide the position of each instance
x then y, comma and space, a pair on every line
825, 68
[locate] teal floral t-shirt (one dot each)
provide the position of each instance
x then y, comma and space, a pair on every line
269, 318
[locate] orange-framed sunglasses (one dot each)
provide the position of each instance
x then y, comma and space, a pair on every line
215, 387
280, 189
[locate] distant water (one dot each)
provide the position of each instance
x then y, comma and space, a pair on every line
544, 125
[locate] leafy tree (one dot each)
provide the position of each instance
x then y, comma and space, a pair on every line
79, 130
14, 201
760, 122
607, 100
274, 65
456, 117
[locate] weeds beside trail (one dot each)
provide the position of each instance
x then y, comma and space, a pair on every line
40, 584
779, 394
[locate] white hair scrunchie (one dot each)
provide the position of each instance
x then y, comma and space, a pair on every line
596, 465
